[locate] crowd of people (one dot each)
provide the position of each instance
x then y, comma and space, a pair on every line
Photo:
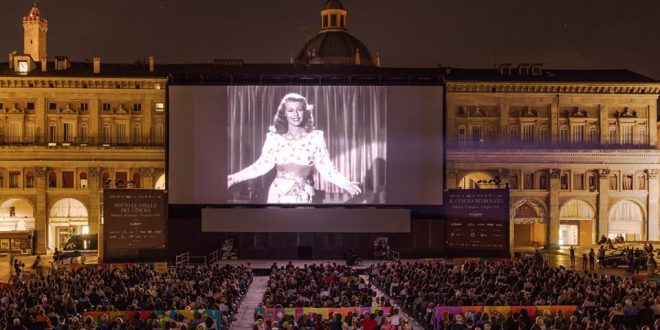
603, 302
352, 321
60, 299
322, 285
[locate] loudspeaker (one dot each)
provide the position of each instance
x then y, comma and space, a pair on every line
305, 252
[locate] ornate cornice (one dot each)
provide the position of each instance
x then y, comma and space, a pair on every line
553, 88
645, 156
83, 82
8, 154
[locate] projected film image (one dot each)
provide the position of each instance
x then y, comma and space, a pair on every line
307, 144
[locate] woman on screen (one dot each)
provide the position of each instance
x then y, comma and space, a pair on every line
295, 148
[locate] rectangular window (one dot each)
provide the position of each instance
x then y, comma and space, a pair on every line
333, 20
83, 134
477, 135
563, 135
67, 179
593, 135
514, 182
578, 182
66, 128
577, 133
641, 182
626, 134
106, 133
641, 135
52, 106
30, 106
543, 182
160, 107
52, 133
29, 181
528, 133
13, 134
121, 133
137, 107
137, 134
612, 135
106, 107
84, 106
613, 183
627, 182
14, 178
325, 21
513, 135
1, 106
564, 181
529, 181
121, 179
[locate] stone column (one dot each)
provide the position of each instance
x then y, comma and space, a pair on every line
653, 221
147, 174
553, 216
653, 129
603, 204
40, 215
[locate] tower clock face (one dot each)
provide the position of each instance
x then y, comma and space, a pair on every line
23, 66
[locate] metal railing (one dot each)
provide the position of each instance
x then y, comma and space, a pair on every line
185, 259
81, 141
395, 255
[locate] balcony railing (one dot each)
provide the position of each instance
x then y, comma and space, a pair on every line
545, 146
80, 141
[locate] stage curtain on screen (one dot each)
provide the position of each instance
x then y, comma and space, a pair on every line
352, 118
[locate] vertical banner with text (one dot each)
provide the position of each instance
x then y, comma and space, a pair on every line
134, 220
477, 222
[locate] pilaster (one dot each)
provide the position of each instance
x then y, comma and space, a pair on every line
40, 216
553, 216
653, 220
603, 204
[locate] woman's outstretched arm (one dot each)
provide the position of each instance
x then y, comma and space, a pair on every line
265, 162
327, 169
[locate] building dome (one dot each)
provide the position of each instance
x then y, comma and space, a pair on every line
333, 44
336, 47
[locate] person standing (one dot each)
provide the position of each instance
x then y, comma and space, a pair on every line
571, 252
601, 256
592, 259
584, 261
651, 264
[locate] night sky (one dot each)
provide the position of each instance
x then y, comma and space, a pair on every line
568, 34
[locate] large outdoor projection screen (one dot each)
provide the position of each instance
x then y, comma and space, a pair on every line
305, 145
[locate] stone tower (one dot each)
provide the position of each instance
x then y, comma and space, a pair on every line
34, 34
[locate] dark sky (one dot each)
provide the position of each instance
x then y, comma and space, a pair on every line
570, 34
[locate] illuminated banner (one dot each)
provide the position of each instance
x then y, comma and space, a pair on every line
478, 221
134, 218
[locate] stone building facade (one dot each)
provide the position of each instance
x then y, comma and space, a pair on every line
68, 130
576, 148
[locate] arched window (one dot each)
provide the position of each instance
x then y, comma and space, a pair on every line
29, 133
462, 136
52, 133
612, 135
106, 134
83, 134
543, 135
514, 138
136, 134
641, 135
563, 135
159, 134
593, 135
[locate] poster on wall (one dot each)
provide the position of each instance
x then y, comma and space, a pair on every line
477, 222
134, 219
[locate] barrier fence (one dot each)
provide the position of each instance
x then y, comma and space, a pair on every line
162, 315
278, 313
